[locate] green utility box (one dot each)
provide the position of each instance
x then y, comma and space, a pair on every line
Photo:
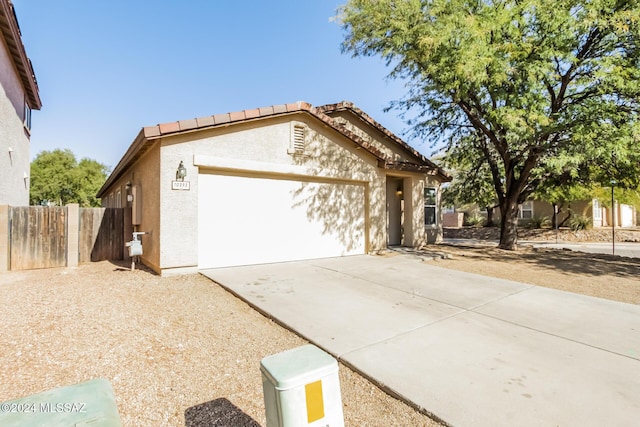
90, 404
301, 388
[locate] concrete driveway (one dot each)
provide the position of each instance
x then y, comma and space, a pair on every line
469, 349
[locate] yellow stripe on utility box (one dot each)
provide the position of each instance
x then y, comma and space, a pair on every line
315, 404
302, 389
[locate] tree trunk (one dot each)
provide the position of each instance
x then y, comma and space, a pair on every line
489, 217
508, 225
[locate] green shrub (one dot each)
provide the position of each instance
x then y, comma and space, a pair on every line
474, 220
539, 222
579, 222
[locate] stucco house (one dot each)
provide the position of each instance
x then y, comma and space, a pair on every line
285, 182
600, 216
19, 95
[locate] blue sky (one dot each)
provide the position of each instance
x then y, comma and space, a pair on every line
106, 68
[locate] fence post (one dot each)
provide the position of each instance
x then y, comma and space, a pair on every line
5, 249
73, 232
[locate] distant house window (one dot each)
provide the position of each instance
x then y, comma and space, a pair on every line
27, 115
119, 199
526, 210
597, 210
430, 206
298, 139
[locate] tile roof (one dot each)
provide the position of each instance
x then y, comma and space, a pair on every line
349, 106
149, 134
10, 31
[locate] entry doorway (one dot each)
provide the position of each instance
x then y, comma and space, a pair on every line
395, 211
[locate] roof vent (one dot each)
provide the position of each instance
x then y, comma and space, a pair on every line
298, 139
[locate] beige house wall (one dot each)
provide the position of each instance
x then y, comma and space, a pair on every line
328, 155
368, 133
262, 148
144, 175
418, 233
14, 137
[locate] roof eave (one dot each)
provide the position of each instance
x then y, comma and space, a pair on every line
151, 134
133, 153
349, 106
11, 33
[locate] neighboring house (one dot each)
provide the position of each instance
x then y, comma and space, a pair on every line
623, 215
281, 183
19, 95
600, 216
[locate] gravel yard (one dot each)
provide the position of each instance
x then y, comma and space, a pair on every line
173, 346
168, 345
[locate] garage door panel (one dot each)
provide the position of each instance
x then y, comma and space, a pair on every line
248, 220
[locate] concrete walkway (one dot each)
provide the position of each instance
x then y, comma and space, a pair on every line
469, 349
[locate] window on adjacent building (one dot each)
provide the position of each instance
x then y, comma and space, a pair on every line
430, 206
118, 199
27, 115
597, 210
525, 210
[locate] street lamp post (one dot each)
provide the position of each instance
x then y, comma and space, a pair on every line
613, 219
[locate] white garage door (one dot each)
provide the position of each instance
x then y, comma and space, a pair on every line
254, 220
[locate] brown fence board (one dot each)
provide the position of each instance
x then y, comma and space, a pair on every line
38, 237
101, 234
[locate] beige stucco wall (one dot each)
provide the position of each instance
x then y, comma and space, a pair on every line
145, 176
262, 146
14, 189
368, 133
419, 234
328, 154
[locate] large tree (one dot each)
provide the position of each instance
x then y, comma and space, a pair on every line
541, 86
56, 177
472, 183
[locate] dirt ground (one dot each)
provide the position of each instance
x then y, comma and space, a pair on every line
598, 275
172, 347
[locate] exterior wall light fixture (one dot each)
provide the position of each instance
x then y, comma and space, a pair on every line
181, 173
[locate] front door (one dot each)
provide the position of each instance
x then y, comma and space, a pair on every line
395, 211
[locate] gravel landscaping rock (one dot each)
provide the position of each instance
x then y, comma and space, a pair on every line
177, 350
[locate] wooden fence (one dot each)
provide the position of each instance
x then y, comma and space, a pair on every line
45, 237
101, 234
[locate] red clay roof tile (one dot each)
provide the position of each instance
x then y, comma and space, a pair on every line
221, 118
205, 121
236, 116
322, 113
188, 124
169, 127
151, 131
252, 114
278, 109
292, 107
266, 111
